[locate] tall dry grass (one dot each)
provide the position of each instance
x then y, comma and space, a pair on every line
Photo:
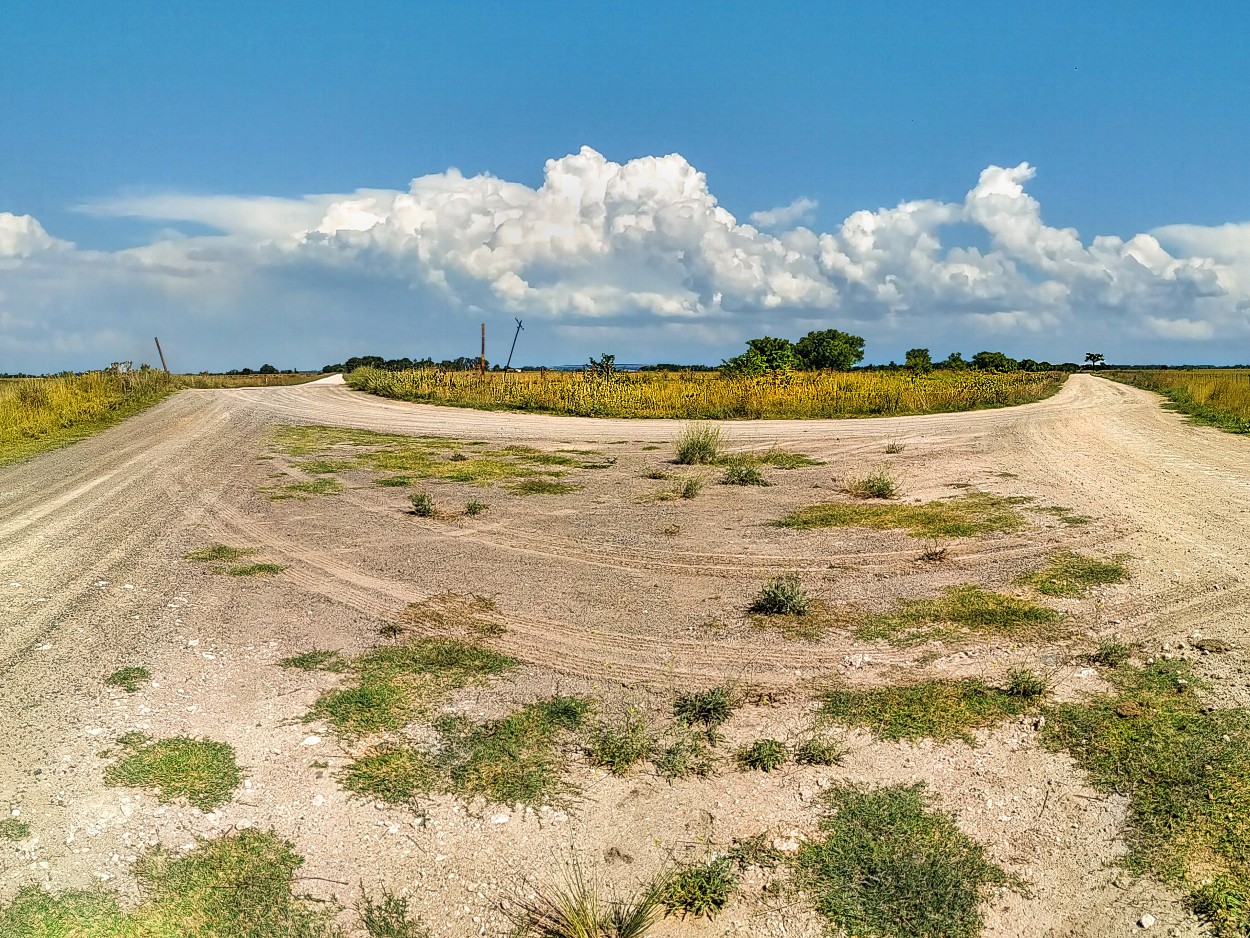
1219, 397
38, 414
711, 396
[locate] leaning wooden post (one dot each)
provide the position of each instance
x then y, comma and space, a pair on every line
161, 354
481, 362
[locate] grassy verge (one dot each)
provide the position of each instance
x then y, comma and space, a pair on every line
1185, 768
890, 866
1214, 397
940, 710
965, 516
41, 414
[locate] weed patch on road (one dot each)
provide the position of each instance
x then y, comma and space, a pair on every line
959, 612
890, 866
302, 491
1070, 574
966, 516
1185, 768
128, 679
13, 829
200, 770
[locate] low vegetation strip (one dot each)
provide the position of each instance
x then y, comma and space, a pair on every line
712, 395
1185, 768
960, 611
39, 414
965, 516
935, 709
1218, 397
890, 866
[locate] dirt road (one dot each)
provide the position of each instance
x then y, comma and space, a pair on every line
607, 586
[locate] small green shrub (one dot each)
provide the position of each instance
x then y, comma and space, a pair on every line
422, 505
738, 474
1024, 683
475, 508
698, 444
817, 750
700, 890
389, 918
687, 754
690, 487
128, 679
617, 748
879, 483
1111, 653
894, 447
763, 755
577, 908
710, 707
782, 596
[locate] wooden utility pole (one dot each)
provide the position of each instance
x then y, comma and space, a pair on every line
519, 327
161, 354
481, 362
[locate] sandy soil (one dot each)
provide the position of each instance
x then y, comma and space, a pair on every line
606, 591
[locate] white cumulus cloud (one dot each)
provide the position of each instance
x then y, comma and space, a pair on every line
639, 254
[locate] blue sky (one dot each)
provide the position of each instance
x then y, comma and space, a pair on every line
238, 178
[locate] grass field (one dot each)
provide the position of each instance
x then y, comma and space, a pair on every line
39, 414
1218, 397
710, 396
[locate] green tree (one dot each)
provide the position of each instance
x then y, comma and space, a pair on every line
1094, 359
994, 361
830, 348
778, 354
919, 360
953, 362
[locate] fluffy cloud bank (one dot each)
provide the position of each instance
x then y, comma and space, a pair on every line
638, 257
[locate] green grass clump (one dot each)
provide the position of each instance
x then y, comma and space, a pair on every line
256, 569
880, 483
395, 774
1111, 653
397, 683
817, 750
1185, 768
618, 748
738, 474
1070, 574
777, 458
219, 553
128, 679
1066, 515
959, 611
709, 708
782, 596
514, 759
687, 753
698, 444
235, 887
389, 917
934, 709
889, 866
13, 829
474, 508
702, 889
763, 755
543, 487
319, 659
966, 516
200, 770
